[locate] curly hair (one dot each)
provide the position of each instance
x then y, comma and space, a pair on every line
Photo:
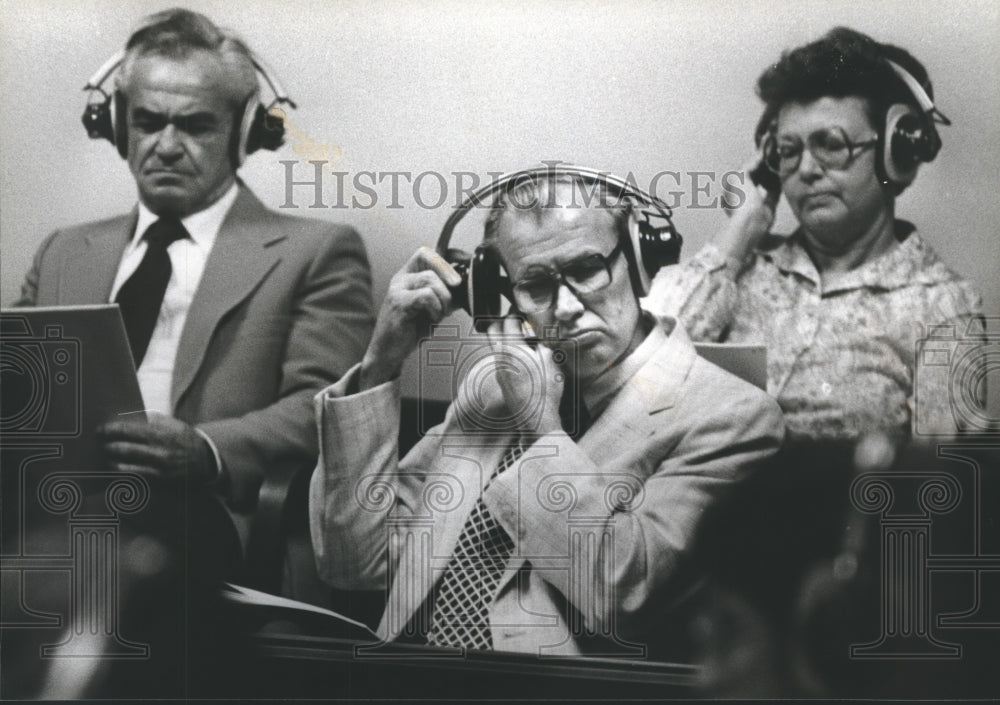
844, 62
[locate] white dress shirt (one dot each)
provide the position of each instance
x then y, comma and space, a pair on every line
187, 258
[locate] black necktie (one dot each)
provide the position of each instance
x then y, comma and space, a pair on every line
141, 296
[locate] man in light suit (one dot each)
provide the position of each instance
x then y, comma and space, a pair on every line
259, 311
531, 539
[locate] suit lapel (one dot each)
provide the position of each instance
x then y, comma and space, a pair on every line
630, 418
91, 273
639, 409
641, 405
472, 466
469, 465
472, 463
241, 257
634, 413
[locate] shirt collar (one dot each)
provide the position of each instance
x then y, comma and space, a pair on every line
203, 226
907, 263
602, 390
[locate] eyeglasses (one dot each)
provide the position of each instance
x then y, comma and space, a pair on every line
831, 148
583, 276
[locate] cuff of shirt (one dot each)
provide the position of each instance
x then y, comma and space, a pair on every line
219, 469
711, 259
715, 260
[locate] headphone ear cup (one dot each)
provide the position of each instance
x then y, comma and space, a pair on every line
460, 262
97, 120
905, 143
267, 130
638, 271
656, 248
484, 287
240, 139
119, 119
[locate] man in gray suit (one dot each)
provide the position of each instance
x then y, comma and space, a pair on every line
557, 533
236, 315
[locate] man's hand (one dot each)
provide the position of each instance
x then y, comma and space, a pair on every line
163, 447
751, 221
528, 376
418, 297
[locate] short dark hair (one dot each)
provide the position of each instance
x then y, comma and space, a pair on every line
844, 62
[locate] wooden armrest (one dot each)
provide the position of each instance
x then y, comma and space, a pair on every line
283, 496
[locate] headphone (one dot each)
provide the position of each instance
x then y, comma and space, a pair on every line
259, 127
647, 246
907, 139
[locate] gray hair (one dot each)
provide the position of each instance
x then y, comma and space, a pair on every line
535, 195
175, 34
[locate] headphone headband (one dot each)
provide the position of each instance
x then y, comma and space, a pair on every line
280, 96
918, 92
255, 127
97, 80
549, 171
647, 247
907, 136
912, 84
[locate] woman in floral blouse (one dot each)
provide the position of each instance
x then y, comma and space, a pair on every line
865, 327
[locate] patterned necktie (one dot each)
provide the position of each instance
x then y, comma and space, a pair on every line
141, 295
461, 608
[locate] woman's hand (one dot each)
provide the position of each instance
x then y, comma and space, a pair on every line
751, 220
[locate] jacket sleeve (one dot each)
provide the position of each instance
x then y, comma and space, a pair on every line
358, 485
616, 541
29, 288
331, 324
355, 484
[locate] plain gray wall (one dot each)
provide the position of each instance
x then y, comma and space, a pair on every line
447, 87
